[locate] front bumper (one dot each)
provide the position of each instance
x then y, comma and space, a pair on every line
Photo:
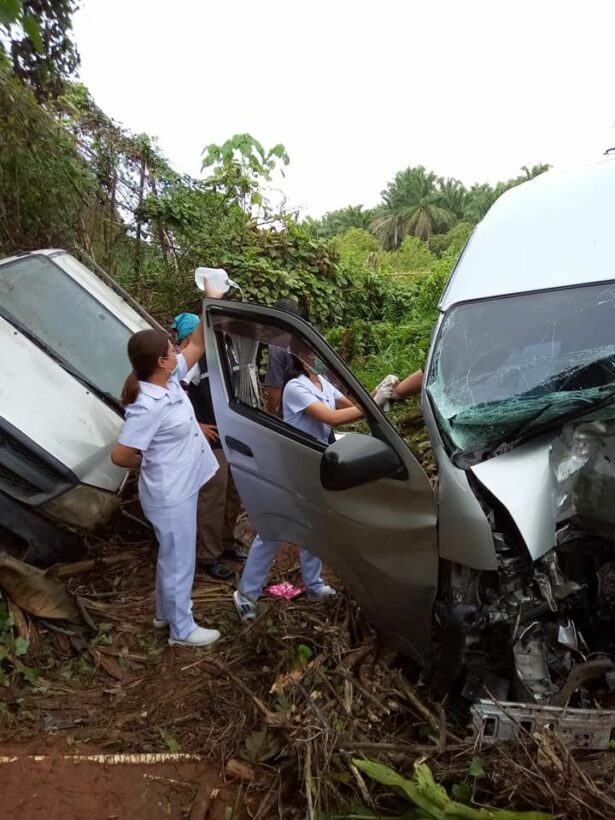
577, 728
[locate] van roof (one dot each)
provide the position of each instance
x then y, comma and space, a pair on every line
554, 231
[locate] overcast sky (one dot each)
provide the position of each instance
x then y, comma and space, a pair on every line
359, 90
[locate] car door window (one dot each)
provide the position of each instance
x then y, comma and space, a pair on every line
257, 358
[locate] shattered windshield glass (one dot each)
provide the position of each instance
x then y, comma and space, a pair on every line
504, 367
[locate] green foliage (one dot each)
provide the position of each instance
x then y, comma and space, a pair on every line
412, 255
412, 206
476, 767
359, 251
211, 226
46, 189
40, 49
387, 324
71, 176
304, 656
452, 240
240, 165
12, 649
419, 203
340, 221
170, 741
430, 800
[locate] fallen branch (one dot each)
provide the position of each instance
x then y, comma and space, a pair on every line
90, 565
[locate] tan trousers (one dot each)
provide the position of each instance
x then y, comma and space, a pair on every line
217, 511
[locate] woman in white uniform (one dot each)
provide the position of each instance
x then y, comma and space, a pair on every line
162, 437
311, 404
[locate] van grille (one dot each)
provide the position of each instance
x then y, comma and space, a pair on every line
19, 485
27, 472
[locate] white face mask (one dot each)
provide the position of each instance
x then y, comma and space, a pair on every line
166, 359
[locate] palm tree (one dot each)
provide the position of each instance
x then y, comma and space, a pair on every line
534, 170
410, 208
340, 221
480, 198
452, 195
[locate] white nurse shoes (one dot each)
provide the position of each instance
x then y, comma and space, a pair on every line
159, 623
323, 593
198, 637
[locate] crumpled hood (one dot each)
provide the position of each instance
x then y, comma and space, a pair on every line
523, 482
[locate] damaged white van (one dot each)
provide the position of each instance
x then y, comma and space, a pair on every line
499, 581
63, 335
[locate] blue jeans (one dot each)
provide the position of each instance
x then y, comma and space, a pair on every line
258, 566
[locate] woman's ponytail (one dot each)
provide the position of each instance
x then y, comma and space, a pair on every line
131, 390
145, 348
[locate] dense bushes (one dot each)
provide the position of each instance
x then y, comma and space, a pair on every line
387, 324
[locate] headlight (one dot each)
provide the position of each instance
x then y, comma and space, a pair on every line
83, 506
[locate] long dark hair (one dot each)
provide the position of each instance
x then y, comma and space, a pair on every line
144, 350
295, 369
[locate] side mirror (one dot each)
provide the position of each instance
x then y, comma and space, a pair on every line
356, 459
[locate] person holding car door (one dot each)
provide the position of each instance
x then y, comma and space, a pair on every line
279, 360
219, 503
162, 439
313, 405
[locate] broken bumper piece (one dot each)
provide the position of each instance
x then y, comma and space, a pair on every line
577, 728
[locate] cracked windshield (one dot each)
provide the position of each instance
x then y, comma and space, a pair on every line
535, 358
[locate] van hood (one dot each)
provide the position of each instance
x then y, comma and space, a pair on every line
57, 412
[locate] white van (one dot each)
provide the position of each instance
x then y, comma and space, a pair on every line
499, 581
63, 336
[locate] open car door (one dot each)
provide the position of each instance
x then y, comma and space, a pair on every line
362, 504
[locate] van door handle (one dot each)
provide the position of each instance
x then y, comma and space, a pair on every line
235, 444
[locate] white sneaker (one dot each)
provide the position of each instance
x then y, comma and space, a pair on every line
198, 637
159, 623
246, 609
323, 593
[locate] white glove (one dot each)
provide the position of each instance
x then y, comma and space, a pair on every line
383, 395
385, 391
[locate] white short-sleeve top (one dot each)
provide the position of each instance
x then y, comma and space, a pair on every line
298, 394
177, 458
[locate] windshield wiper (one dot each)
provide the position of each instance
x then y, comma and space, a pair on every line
469, 457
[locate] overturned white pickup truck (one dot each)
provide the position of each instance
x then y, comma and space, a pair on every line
63, 335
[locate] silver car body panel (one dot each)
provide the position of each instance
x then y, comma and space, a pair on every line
51, 407
464, 534
523, 482
56, 411
551, 232
380, 538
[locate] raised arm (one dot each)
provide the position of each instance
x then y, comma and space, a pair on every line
195, 349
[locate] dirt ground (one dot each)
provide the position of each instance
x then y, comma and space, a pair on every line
124, 692
57, 786
273, 716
